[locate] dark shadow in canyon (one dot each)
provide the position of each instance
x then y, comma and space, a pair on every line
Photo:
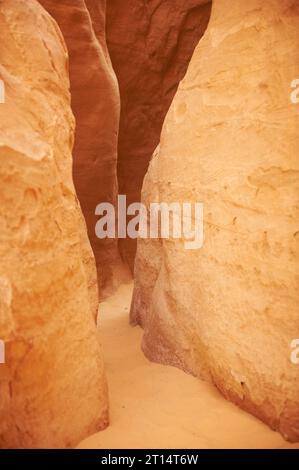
151, 44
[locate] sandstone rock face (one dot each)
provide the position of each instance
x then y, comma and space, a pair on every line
229, 311
96, 105
52, 386
150, 43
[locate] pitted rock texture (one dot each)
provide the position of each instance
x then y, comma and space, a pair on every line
151, 43
96, 106
52, 385
229, 311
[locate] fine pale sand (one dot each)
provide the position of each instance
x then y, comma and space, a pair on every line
155, 406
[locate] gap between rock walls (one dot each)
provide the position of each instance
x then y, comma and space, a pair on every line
149, 162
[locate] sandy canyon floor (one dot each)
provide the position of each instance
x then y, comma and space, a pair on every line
155, 406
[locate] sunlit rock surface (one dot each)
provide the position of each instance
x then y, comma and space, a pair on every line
229, 311
52, 386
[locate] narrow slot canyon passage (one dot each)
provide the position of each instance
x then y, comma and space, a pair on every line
151, 44
149, 224
156, 406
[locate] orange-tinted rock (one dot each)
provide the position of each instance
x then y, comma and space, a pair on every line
150, 43
95, 103
52, 385
229, 311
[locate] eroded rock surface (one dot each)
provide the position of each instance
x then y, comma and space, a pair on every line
229, 311
52, 386
150, 43
96, 105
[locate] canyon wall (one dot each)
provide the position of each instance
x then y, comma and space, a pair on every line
229, 311
52, 385
150, 43
96, 106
